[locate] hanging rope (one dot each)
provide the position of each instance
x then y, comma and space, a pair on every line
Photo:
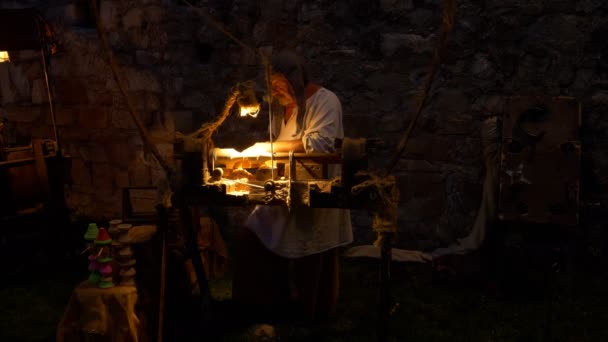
219, 27
206, 131
265, 62
384, 193
449, 14
123, 89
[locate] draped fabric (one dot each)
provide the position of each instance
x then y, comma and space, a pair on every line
105, 314
485, 215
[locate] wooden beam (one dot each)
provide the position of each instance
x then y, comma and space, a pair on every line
21, 162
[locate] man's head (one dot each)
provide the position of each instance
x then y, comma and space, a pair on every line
289, 78
282, 90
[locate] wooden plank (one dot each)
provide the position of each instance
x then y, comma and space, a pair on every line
20, 162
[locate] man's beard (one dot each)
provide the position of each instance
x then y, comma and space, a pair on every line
283, 100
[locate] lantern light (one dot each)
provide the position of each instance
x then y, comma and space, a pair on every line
247, 100
4, 56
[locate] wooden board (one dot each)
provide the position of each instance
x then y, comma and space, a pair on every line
540, 161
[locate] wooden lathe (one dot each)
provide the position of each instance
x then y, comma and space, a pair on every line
291, 179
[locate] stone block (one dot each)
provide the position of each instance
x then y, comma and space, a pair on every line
315, 35
418, 166
590, 6
459, 215
419, 208
427, 146
39, 93
448, 100
154, 14
103, 179
456, 124
8, 93
166, 151
63, 116
94, 117
93, 153
174, 85
119, 154
100, 97
152, 102
482, 67
462, 150
310, 13
121, 178
391, 122
144, 103
110, 205
108, 14
582, 81
22, 114
79, 202
273, 9
195, 99
42, 131
70, 91
139, 170
391, 6
391, 42
147, 58
489, 104
72, 15
122, 119
133, 18
135, 142
383, 81
61, 66
162, 125
422, 18
142, 80
33, 70
157, 175
76, 135
561, 32
358, 126
81, 173
403, 182
425, 184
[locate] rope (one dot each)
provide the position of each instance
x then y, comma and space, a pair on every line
384, 192
219, 27
449, 14
123, 89
265, 61
207, 129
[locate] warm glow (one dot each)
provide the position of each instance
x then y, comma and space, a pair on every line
251, 111
4, 56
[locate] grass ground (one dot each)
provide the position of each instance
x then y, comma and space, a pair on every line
538, 306
32, 299
528, 304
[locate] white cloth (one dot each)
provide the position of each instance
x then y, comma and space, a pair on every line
485, 215
289, 128
304, 231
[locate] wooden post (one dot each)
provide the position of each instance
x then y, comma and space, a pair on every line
384, 306
163, 219
197, 262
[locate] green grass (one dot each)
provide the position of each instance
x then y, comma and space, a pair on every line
532, 305
538, 307
32, 301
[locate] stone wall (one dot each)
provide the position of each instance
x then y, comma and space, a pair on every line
373, 54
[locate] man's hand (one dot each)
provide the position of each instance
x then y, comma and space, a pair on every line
263, 148
257, 150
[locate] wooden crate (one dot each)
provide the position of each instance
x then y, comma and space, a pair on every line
540, 161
